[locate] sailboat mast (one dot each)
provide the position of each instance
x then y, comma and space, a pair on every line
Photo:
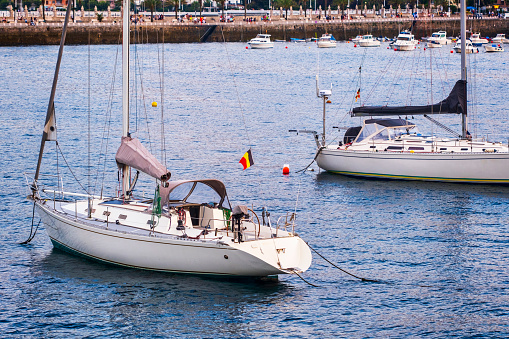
463, 37
50, 114
125, 86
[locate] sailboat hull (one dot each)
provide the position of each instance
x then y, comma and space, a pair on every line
252, 258
483, 168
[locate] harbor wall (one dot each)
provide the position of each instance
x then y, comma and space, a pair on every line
109, 33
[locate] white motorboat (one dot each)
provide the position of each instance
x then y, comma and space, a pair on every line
477, 40
469, 47
368, 41
326, 41
385, 146
261, 41
433, 44
439, 37
188, 227
357, 39
490, 48
405, 42
500, 39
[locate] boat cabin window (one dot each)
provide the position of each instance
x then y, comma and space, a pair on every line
399, 131
382, 135
366, 132
404, 38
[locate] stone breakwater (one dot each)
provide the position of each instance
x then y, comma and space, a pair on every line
109, 33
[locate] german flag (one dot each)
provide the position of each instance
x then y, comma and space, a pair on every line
247, 160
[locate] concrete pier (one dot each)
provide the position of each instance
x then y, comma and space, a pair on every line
18, 34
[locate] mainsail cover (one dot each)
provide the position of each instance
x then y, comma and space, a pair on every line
455, 103
132, 153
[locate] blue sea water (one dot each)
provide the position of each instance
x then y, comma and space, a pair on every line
439, 251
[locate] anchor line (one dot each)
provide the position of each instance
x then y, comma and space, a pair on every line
32, 232
342, 270
307, 282
311, 163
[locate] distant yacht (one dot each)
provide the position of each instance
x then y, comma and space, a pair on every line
326, 41
261, 41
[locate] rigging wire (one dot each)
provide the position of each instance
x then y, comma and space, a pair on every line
107, 123
161, 81
69, 167
236, 88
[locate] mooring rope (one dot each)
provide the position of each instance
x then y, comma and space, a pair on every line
32, 232
307, 282
342, 270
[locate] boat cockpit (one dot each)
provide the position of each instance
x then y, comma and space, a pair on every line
380, 130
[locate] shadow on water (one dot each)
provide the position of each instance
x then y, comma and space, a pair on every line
326, 178
123, 301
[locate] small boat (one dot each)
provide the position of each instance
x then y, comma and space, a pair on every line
326, 41
433, 44
469, 48
405, 42
368, 41
279, 40
261, 41
357, 38
500, 39
493, 48
439, 37
297, 40
477, 40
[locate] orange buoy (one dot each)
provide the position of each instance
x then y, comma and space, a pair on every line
286, 169
354, 45
154, 104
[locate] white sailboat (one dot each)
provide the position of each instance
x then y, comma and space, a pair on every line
388, 147
189, 226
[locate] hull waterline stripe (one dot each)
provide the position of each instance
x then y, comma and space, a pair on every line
407, 177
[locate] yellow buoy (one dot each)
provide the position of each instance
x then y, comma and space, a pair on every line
154, 104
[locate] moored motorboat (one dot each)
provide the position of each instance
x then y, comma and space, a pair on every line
368, 41
491, 48
357, 38
469, 47
326, 41
500, 39
261, 41
477, 40
439, 37
405, 42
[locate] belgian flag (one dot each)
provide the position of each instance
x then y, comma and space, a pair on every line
247, 160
